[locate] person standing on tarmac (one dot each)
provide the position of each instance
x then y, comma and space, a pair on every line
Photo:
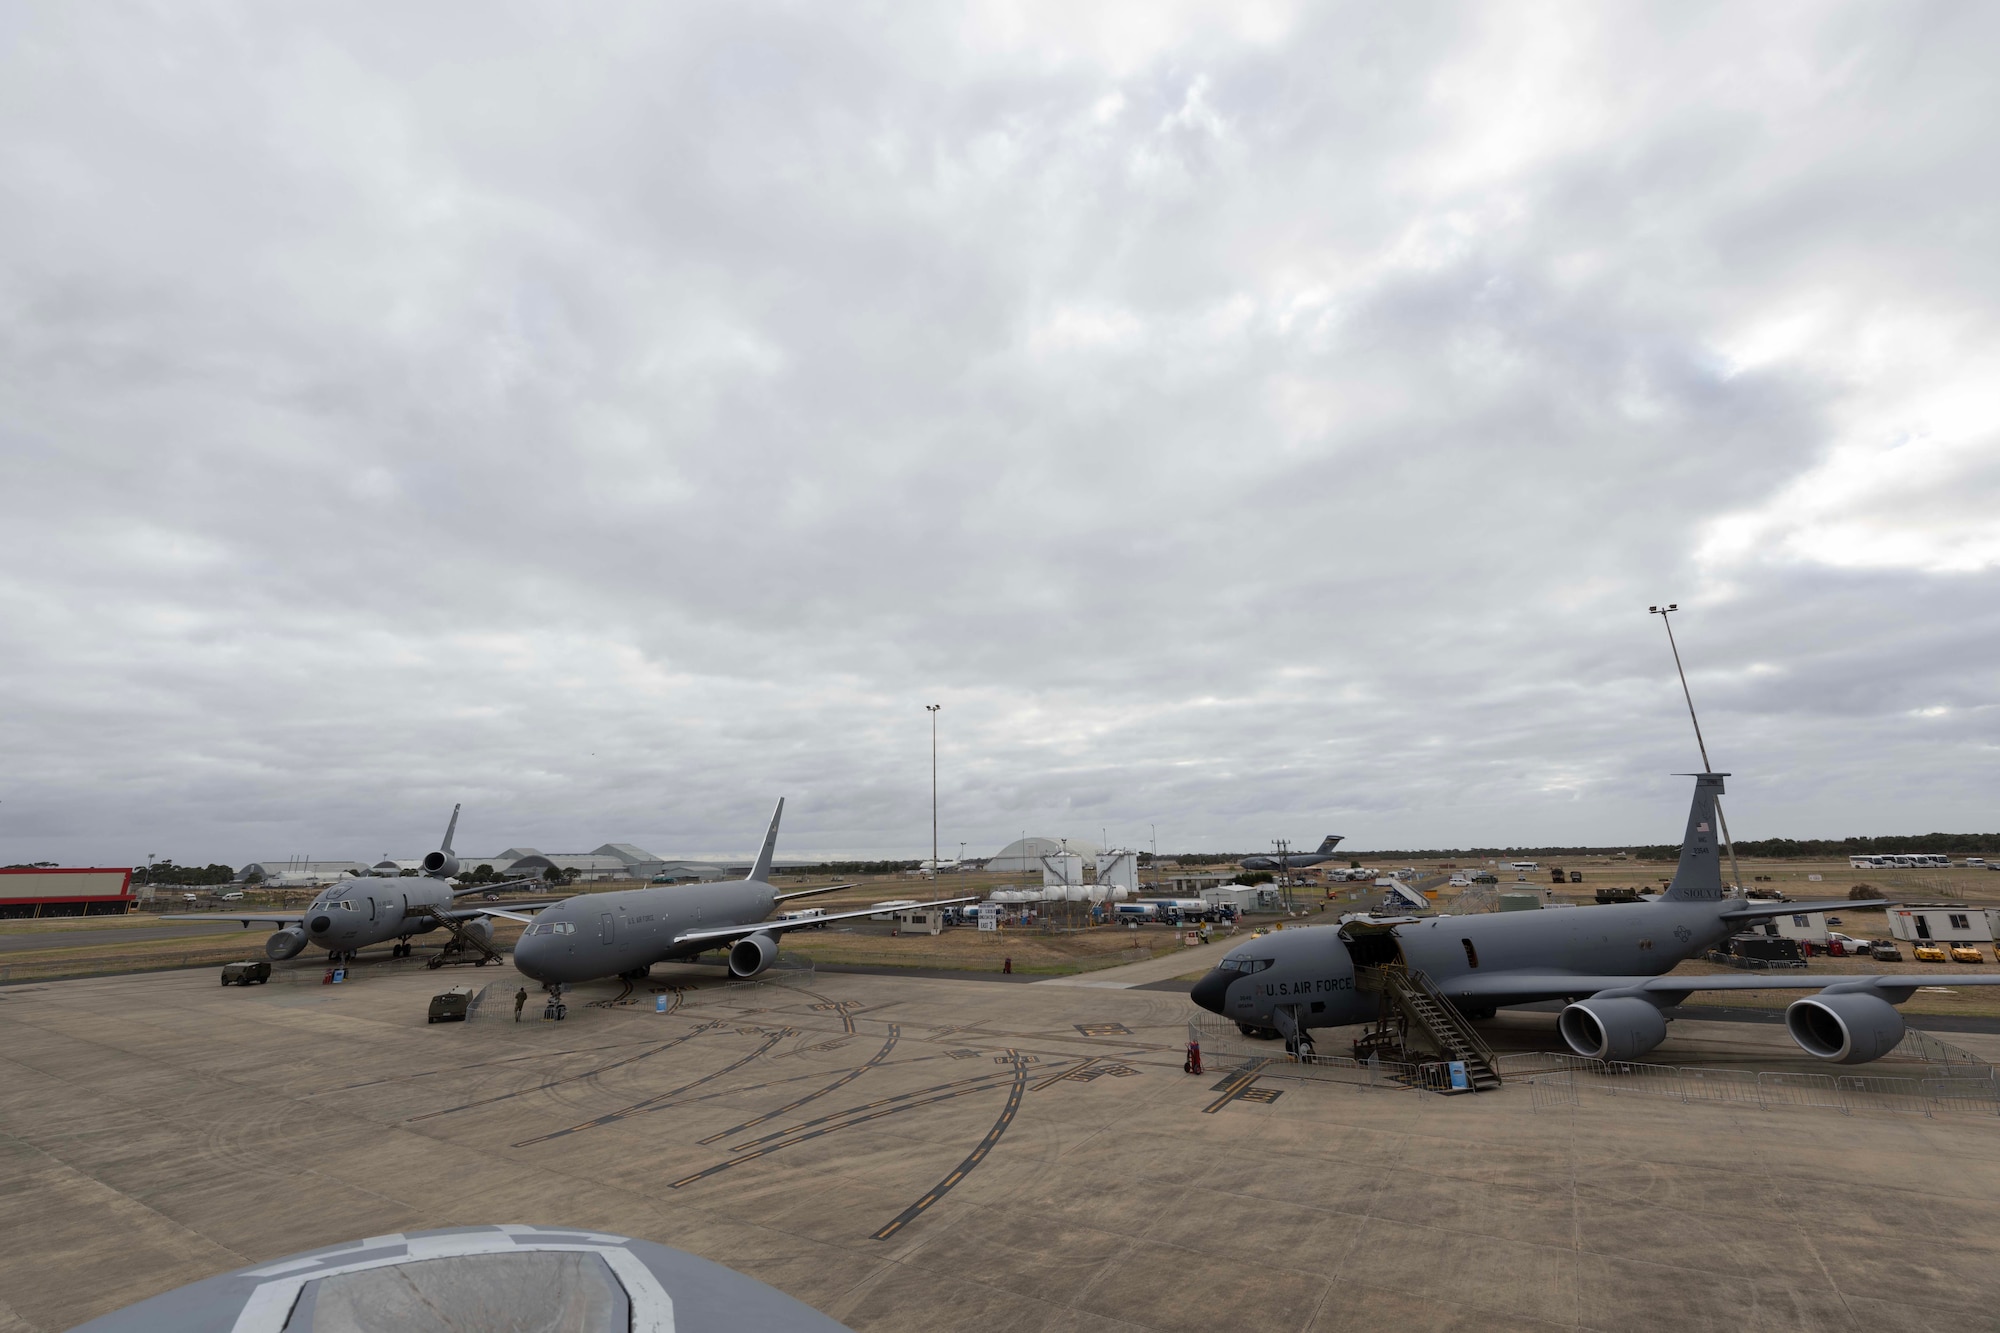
520, 1002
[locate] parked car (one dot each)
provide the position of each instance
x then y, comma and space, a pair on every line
246, 973
1882, 951
1848, 944
1966, 953
1931, 953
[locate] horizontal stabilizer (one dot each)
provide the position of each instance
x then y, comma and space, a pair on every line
1765, 911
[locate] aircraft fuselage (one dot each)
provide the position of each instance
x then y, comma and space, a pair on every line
610, 934
1311, 969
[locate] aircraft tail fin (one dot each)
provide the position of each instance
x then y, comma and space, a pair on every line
762, 870
1699, 876
1331, 841
450, 831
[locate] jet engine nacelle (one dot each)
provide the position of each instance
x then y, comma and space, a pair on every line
287, 943
1612, 1027
440, 865
751, 955
1848, 1028
481, 927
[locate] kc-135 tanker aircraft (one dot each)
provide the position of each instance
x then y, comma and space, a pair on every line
622, 934
353, 913
1608, 961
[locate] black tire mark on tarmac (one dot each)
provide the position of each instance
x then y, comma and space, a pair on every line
570, 1078
835, 1121
659, 1102
966, 1167
839, 1083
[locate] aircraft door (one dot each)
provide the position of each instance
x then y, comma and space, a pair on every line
1372, 945
607, 928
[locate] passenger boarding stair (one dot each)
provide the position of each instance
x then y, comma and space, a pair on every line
467, 943
1423, 1017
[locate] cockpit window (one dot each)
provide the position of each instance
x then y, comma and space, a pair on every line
1245, 964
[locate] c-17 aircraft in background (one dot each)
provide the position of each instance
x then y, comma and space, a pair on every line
1609, 962
351, 914
622, 934
1296, 860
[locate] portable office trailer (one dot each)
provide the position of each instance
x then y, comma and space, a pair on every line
922, 921
1950, 922
48, 891
1806, 927
1231, 898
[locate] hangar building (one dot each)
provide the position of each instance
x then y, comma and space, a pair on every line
1024, 855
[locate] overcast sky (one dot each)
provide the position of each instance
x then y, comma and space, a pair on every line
1252, 421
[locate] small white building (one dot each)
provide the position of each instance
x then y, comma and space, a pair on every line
920, 921
1952, 923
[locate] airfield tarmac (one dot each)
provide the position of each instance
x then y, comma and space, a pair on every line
907, 1153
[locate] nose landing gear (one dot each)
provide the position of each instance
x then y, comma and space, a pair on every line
555, 1011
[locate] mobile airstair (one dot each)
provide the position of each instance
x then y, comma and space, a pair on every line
1416, 1017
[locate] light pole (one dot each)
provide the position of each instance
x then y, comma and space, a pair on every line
1284, 848
932, 709
1665, 613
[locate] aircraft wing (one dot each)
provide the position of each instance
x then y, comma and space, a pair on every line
244, 919
1561, 986
720, 933
493, 911
807, 893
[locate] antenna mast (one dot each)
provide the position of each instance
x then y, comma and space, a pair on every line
1665, 613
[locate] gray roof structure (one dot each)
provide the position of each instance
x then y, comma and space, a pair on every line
485, 1277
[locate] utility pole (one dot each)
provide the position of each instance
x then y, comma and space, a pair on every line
932, 709
1665, 613
1283, 847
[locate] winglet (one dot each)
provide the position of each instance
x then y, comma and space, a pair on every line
449, 830
761, 872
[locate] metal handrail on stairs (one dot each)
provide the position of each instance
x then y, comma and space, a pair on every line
1419, 998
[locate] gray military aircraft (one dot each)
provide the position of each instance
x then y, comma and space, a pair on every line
1608, 962
1296, 860
353, 913
623, 934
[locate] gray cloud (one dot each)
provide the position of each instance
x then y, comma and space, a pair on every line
1252, 423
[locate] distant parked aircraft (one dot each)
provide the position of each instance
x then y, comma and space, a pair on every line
351, 914
1296, 860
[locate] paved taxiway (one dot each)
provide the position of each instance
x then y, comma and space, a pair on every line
920, 1154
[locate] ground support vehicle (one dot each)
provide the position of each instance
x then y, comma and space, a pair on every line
452, 1006
253, 972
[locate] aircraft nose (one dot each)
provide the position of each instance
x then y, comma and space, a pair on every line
1209, 991
527, 957
322, 924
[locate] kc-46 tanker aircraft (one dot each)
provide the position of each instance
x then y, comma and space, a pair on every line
353, 913
1608, 961
622, 934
